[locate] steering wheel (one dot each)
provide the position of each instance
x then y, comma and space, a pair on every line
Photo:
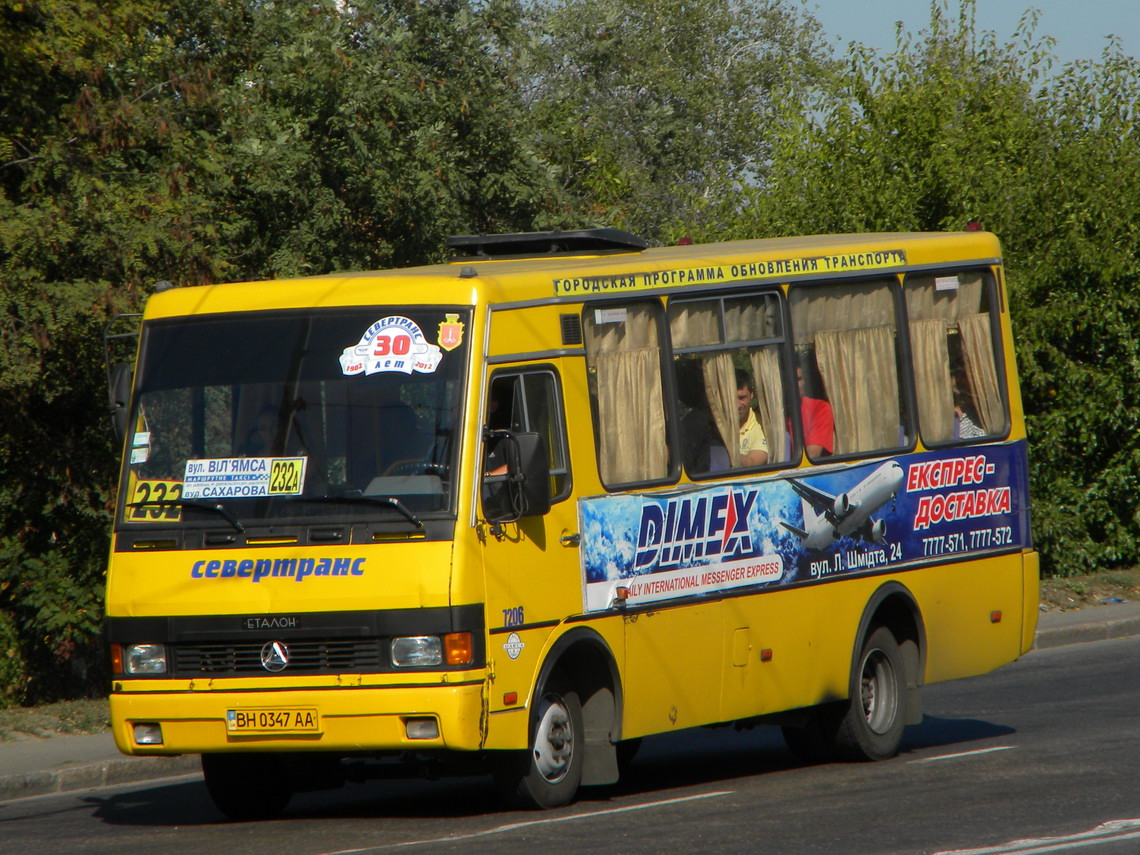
416, 467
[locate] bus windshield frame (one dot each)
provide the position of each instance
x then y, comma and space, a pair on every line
283, 417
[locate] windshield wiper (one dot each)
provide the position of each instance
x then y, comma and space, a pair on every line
216, 507
355, 497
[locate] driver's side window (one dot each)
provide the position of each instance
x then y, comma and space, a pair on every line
529, 401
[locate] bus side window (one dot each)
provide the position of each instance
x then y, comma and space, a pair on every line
727, 360
531, 401
623, 362
849, 332
955, 362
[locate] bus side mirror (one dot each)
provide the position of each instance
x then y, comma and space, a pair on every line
524, 489
119, 397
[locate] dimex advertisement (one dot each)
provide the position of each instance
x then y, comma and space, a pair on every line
913, 509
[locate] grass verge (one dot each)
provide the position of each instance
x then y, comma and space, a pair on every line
65, 717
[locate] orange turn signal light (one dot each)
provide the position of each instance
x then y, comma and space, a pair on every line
458, 648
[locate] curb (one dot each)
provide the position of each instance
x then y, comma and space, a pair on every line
104, 773
1080, 631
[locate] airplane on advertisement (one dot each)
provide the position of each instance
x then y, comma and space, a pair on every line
848, 513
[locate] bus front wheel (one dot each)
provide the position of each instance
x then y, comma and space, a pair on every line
548, 773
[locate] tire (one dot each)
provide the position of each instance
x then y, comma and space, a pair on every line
872, 727
247, 786
547, 774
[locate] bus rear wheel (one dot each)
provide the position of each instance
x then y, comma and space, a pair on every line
547, 774
247, 786
872, 727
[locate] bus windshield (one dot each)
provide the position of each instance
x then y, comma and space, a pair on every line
260, 417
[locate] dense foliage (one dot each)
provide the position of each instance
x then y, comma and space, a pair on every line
145, 140
953, 129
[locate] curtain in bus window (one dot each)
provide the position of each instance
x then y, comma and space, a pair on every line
938, 304
720, 388
858, 368
927, 302
631, 409
932, 378
694, 324
751, 318
978, 355
869, 304
770, 399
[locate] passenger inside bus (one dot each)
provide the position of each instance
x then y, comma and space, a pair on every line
753, 444
965, 418
274, 433
261, 441
500, 406
815, 411
697, 429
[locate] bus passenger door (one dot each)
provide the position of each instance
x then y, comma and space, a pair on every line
530, 565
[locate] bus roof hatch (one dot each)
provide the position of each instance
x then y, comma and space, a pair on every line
532, 244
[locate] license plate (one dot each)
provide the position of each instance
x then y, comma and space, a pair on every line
273, 720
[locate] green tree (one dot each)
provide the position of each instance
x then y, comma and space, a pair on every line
656, 113
96, 200
192, 142
954, 128
361, 135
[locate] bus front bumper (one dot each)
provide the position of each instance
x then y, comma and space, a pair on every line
405, 718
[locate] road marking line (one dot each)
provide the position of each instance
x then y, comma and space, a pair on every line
963, 754
1107, 832
515, 826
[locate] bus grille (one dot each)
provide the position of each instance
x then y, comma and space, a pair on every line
307, 656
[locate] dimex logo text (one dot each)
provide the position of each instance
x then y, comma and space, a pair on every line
679, 531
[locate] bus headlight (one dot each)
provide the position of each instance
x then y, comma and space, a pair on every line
412, 650
145, 659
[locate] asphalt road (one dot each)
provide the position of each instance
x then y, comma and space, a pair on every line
1044, 750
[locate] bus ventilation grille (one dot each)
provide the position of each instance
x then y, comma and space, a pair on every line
571, 330
305, 656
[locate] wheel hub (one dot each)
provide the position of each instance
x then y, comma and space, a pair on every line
554, 742
878, 691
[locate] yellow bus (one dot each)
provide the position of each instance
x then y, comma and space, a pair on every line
509, 514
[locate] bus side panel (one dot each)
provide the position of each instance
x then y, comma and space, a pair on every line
780, 652
791, 649
973, 614
675, 674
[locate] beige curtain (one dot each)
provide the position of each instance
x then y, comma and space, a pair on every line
694, 324
869, 304
932, 378
720, 388
981, 371
751, 318
622, 349
858, 368
925, 302
770, 397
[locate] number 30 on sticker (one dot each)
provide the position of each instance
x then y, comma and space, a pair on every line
287, 476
